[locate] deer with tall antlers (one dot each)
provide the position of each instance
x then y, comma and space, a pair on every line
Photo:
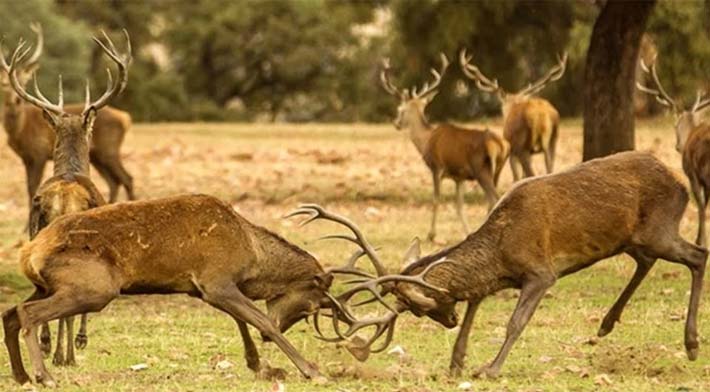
530, 124
32, 138
70, 189
190, 244
542, 229
449, 151
692, 141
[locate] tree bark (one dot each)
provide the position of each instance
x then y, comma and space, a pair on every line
610, 75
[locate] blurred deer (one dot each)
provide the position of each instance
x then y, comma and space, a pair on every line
692, 141
449, 151
32, 138
542, 229
70, 189
530, 124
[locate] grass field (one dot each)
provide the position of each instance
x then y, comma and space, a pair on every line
374, 175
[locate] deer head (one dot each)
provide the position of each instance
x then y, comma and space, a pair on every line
414, 102
506, 98
68, 127
685, 119
24, 71
412, 291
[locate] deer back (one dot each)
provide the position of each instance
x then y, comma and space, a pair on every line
696, 154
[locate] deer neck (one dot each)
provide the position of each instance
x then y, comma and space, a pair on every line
278, 265
419, 131
71, 155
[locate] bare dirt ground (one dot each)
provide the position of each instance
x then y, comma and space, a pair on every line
374, 175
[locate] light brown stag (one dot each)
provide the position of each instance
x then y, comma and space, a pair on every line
70, 189
190, 244
692, 141
530, 124
541, 230
32, 138
449, 151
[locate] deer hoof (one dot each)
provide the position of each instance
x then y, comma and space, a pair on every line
81, 341
58, 359
486, 371
320, 380
46, 380
692, 352
455, 370
45, 344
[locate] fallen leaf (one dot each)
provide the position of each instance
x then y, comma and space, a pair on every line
139, 366
223, 365
278, 386
466, 386
603, 380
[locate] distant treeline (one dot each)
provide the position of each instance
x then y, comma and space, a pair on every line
318, 60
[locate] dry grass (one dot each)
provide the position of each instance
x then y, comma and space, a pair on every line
374, 175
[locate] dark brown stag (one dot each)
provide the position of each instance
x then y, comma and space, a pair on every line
70, 189
32, 138
541, 230
692, 141
449, 151
530, 124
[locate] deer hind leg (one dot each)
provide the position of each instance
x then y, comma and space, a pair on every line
106, 174
34, 171
227, 298
459, 352
530, 295
515, 167
460, 204
436, 177
550, 151
527, 166
81, 338
643, 265
124, 177
45, 339
701, 201
11, 326
58, 359
488, 185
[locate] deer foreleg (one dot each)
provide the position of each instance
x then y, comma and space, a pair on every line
459, 353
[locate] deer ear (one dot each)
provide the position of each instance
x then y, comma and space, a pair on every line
323, 280
89, 118
51, 118
413, 253
431, 96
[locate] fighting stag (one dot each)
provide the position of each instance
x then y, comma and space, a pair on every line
692, 141
70, 189
32, 138
546, 228
449, 151
530, 124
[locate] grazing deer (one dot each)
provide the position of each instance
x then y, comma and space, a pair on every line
32, 138
449, 151
70, 189
692, 141
541, 230
189, 244
530, 124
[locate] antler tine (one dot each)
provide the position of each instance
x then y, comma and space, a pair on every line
438, 74
700, 101
554, 74
471, 71
386, 82
659, 92
349, 267
116, 87
34, 59
317, 212
40, 101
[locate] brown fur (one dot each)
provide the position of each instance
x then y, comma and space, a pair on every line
530, 126
190, 244
549, 227
696, 165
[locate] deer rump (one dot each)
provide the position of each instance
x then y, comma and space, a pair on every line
531, 125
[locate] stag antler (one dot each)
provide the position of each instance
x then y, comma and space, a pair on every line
387, 82
428, 89
554, 74
659, 92
113, 88
483, 83
39, 100
34, 59
700, 102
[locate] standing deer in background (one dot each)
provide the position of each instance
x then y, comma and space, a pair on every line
449, 151
190, 244
32, 138
70, 189
541, 230
692, 141
530, 124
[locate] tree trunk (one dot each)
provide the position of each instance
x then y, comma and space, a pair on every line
610, 75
